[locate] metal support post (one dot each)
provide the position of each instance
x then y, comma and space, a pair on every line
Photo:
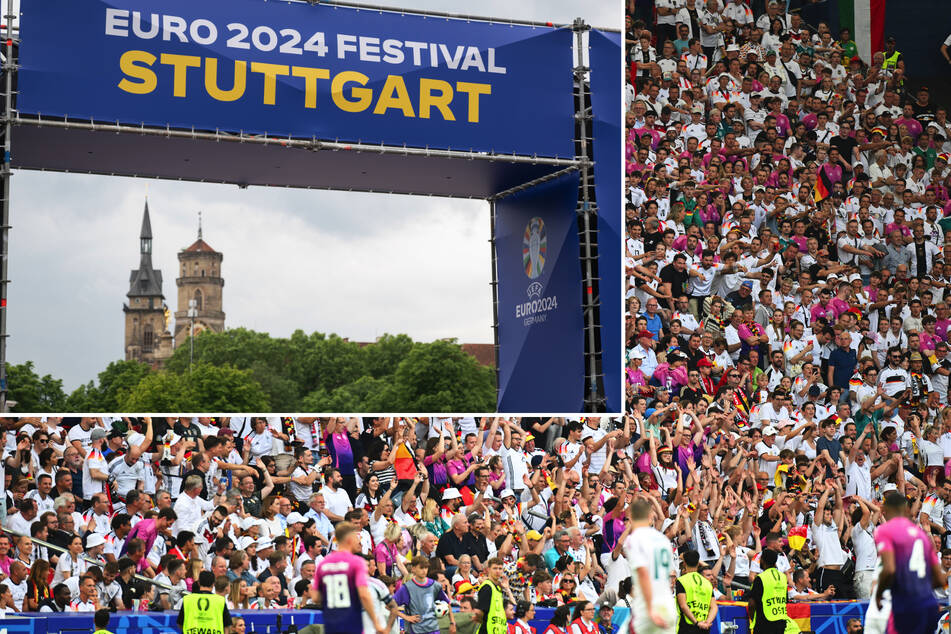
594, 400
5, 176
495, 293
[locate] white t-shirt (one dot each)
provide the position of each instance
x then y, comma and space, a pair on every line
769, 466
701, 285
826, 539
94, 460
82, 435
859, 480
598, 458
863, 544
338, 502
301, 492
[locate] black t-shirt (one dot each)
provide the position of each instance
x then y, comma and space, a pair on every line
819, 232
690, 395
677, 279
450, 545
845, 146
651, 240
924, 114
191, 432
480, 546
200, 474
764, 626
693, 357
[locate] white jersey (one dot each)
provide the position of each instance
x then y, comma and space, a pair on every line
648, 548
380, 596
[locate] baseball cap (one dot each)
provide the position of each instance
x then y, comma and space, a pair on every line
533, 535
637, 354
295, 518
769, 430
97, 433
747, 284
647, 334
704, 363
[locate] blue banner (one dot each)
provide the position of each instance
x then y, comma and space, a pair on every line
606, 107
541, 338
300, 70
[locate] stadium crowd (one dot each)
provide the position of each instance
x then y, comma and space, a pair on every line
789, 285
256, 501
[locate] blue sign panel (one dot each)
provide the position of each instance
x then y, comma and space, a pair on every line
606, 106
541, 344
300, 70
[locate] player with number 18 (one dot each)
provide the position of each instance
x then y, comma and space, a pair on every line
341, 585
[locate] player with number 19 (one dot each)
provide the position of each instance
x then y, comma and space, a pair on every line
651, 557
910, 569
341, 585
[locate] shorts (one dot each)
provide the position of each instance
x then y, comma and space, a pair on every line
924, 620
665, 608
876, 621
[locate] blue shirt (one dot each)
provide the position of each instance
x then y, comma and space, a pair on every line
843, 364
654, 325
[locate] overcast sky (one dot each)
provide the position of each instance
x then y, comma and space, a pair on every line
355, 264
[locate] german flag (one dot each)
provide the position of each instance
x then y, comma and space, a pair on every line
823, 187
801, 615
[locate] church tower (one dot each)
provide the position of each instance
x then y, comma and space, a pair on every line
200, 280
146, 324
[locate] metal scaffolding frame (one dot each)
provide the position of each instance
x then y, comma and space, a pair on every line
9, 67
587, 210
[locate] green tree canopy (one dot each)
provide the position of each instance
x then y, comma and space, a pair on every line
206, 388
241, 370
32, 392
115, 382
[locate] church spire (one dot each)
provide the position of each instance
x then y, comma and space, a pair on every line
145, 239
199, 225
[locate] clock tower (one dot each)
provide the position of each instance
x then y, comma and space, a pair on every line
199, 281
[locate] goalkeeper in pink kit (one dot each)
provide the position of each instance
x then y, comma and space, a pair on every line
910, 569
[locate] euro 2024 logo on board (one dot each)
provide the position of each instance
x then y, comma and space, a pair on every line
534, 256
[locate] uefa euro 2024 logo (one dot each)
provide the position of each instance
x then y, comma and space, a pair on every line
534, 247
534, 251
